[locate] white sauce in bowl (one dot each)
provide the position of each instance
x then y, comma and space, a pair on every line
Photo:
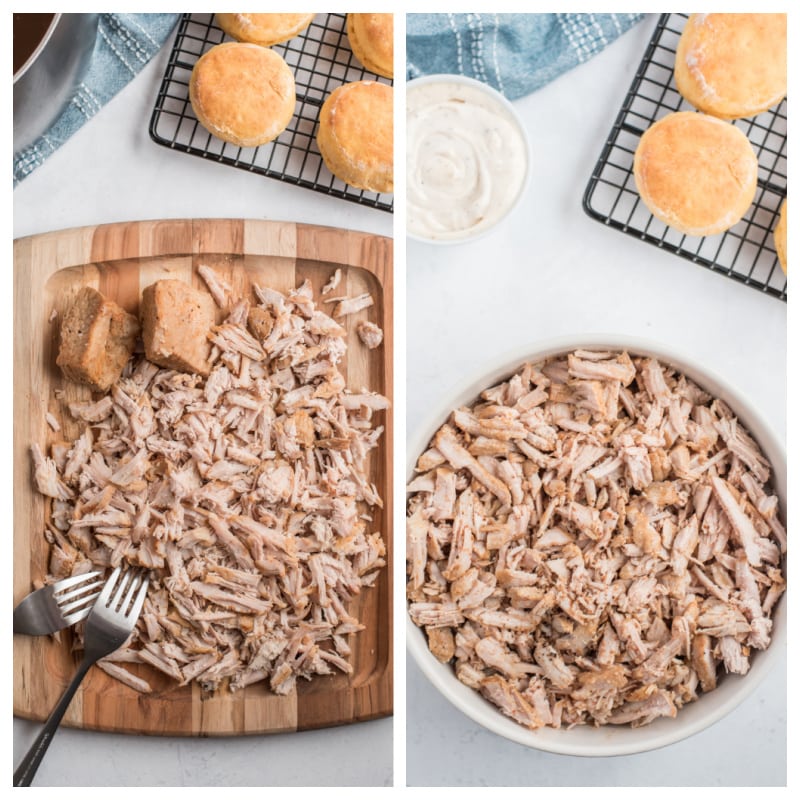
466, 160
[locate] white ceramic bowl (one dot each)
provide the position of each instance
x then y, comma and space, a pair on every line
494, 96
610, 740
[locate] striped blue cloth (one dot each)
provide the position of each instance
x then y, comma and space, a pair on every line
125, 43
514, 53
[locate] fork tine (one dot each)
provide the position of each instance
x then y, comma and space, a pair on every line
66, 583
134, 585
77, 616
74, 605
139, 601
63, 598
105, 595
116, 603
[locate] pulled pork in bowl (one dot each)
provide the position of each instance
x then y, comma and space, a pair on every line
595, 551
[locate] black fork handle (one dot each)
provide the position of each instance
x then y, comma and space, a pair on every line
23, 774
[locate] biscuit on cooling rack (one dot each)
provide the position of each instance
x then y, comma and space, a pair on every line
263, 29
695, 172
779, 235
732, 65
242, 93
355, 135
371, 39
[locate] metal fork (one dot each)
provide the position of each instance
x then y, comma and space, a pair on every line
58, 605
107, 628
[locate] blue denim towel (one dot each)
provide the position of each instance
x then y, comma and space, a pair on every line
125, 43
514, 53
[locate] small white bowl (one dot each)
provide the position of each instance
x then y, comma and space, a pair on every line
609, 740
494, 97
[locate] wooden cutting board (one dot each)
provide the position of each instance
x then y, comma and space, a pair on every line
120, 259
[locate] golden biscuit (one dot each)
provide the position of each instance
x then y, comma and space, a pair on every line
779, 234
732, 65
372, 41
242, 93
355, 135
263, 29
696, 173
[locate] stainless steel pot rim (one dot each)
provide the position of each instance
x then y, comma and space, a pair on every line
42, 44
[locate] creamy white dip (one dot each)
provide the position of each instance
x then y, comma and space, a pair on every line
466, 160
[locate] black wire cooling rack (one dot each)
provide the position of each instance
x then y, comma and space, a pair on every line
746, 252
320, 58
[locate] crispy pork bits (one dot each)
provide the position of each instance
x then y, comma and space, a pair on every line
593, 541
246, 493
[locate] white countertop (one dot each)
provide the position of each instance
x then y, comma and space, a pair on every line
550, 271
111, 171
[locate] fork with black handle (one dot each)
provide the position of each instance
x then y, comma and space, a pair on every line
110, 623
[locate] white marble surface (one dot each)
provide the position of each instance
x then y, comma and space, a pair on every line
551, 271
111, 171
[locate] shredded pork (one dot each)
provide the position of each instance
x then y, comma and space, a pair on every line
246, 493
594, 541
370, 334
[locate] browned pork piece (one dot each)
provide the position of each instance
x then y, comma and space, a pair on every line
176, 319
594, 541
246, 492
97, 339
